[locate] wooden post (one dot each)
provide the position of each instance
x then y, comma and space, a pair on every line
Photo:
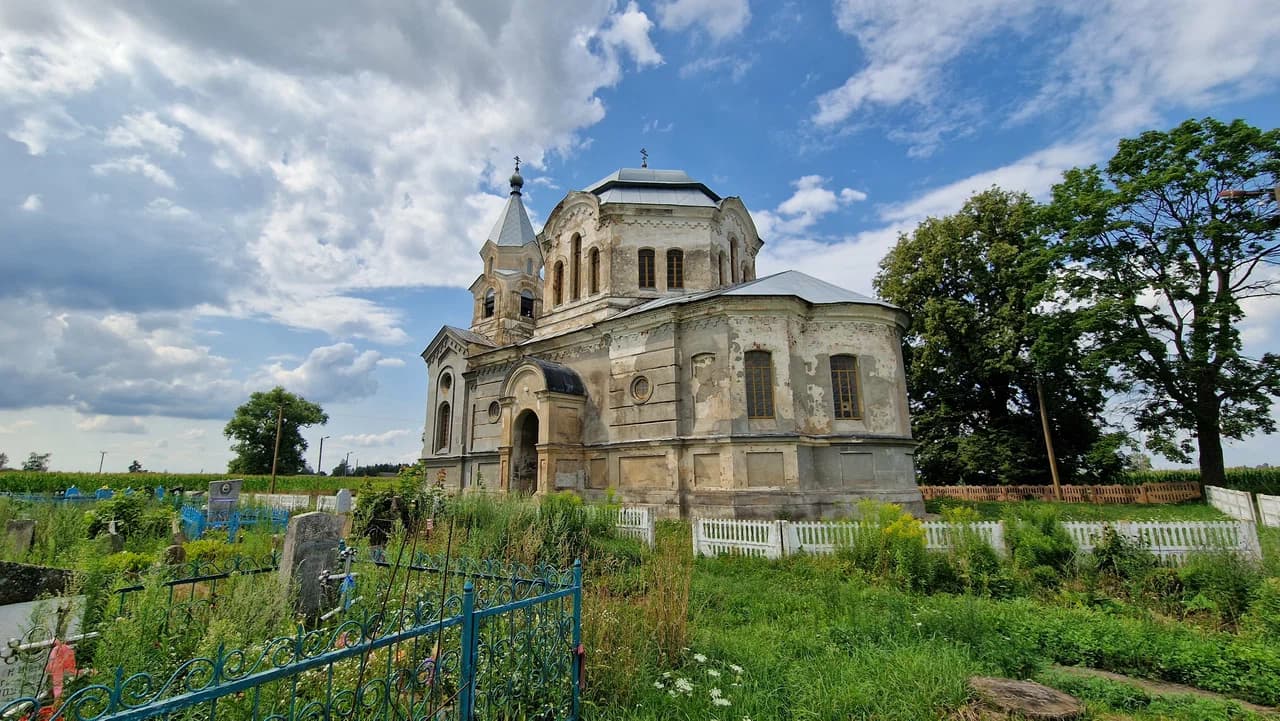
1048, 441
276, 456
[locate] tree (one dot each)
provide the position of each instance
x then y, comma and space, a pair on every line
253, 428
4, 461
36, 462
977, 285
1167, 263
135, 467
342, 469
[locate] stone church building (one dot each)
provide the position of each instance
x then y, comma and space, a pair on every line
630, 346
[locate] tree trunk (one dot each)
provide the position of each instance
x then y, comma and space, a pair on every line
1209, 437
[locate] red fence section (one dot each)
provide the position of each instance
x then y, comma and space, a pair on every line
1145, 493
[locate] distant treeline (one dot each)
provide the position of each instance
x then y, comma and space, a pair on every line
52, 481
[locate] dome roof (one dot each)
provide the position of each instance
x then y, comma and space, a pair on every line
651, 186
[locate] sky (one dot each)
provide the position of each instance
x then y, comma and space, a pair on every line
200, 201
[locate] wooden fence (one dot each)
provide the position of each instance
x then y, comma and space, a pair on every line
1170, 541
1145, 493
1237, 504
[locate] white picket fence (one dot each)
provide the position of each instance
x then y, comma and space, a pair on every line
1236, 504
636, 522
1171, 541
1269, 509
282, 501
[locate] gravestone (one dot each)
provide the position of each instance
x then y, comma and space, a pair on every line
342, 501
310, 546
176, 536
21, 534
174, 555
223, 498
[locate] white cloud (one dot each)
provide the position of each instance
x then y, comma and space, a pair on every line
16, 426
137, 165
33, 203
391, 363
145, 129
369, 440
192, 434
734, 66
806, 206
330, 373
40, 130
165, 208
112, 424
720, 19
630, 31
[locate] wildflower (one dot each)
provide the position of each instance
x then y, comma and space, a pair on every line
658, 684
737, 669
720, 701
671, 692
715, 693
712, 672
666, 674
918, 624
683, 685
699, 658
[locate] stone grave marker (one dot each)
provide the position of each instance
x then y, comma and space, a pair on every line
310, 546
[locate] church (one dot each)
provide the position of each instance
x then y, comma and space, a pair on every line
629, 349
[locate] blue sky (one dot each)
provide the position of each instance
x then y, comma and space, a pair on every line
197, 204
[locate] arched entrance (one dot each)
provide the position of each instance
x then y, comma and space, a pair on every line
524, 453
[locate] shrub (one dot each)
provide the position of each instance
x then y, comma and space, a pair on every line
134, 515
974, 563
1040, 546
1264, 613
889, 543
1221, 582
1120, 556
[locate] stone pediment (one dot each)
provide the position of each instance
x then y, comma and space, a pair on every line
453, 340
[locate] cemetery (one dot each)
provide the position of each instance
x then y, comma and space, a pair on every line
481, 606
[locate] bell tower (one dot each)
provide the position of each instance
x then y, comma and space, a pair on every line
508, 294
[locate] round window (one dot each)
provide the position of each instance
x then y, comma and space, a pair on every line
641, 389
495, 411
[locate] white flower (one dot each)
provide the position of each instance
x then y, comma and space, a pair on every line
918, 624
737, 669
713, 672
683, 685
671, 692
666, 674
699, 658
715, 693
658, 684
720, 701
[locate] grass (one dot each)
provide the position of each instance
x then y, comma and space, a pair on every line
1004, 510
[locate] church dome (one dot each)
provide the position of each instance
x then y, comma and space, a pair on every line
650, 186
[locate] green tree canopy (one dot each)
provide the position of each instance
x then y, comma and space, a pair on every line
253, 430
1166, 262
36, 462
977, 286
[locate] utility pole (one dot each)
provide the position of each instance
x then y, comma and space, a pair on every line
102, 456
276, 456
346, 464
1048, 440
320, 463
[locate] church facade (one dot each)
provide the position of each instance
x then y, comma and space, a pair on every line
629, 348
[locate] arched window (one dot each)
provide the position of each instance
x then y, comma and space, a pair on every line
593, 270
442, 427
490, 301
648, 278
528, 266
577, 262
844, 386
746, 272
759, 379
733, 259
526, 304
557, 284
675, 268
719, 271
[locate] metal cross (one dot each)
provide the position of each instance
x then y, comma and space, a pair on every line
644, 158
517, 163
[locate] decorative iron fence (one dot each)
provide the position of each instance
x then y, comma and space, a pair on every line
509, 646
195, 522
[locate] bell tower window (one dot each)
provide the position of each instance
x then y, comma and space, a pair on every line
557, 284
490, 302
644, 263
576, 274
593, 270
526, 304
675, 268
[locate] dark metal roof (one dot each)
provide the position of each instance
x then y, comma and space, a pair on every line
559, 378
788, 282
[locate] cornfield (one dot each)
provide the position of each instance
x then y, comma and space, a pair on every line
50, 482
1252, 480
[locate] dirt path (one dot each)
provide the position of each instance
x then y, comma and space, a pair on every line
1162, 687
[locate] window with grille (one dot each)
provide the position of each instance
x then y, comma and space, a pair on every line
647, 278
557, 284
844, 386
593, 260
675, 268
442, 428
759, 378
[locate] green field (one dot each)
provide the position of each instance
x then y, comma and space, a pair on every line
1002, 510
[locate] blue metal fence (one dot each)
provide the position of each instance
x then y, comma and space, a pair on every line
509, 646
195, 521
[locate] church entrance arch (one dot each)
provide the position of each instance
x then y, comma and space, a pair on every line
524, 453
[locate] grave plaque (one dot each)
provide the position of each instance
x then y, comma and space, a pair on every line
223, 498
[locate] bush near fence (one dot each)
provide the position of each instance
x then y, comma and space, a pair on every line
1145, 493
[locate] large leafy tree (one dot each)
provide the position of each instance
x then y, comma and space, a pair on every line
977, 285
36, 462
1167, 262
253, 428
